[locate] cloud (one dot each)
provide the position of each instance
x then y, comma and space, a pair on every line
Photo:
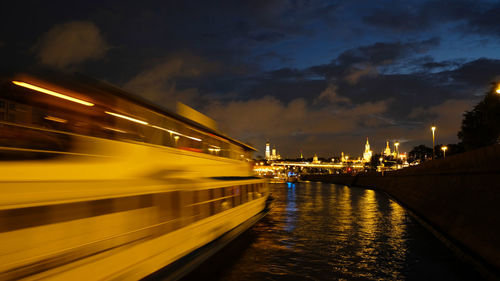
352, 64
160, 82
447, 116
428, 64
269, 36
485, 21
267, 117
274, 56
70, 43
330, 94
381, 53
359, 71
479, 73
421, 15
466, 16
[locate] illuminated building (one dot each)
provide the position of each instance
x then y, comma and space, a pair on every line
315, 159
271, 154
268, 150
387, 151
367, 155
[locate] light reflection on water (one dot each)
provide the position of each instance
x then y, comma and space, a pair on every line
332, 232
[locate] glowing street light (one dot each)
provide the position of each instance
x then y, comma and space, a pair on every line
433, 129
444, 148
498, 89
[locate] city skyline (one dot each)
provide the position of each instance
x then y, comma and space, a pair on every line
364, 154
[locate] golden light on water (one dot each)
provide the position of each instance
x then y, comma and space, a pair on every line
368, 211
52, 93
344, 214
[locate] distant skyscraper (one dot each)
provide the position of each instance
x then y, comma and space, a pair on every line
367, 155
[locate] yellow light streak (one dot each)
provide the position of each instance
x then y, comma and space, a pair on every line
127, 118
52, 93
55, 119
175, 133
114, 129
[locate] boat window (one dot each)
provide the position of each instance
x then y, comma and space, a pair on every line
229, 193
244, 194
204, 207
110, 117
217, 195
236, 197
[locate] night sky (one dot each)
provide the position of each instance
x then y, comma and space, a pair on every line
316, 76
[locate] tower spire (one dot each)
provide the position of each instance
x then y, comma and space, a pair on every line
367, 155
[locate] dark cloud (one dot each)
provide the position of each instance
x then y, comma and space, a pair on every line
486, 21
276, 57
384, 53
269, 36
431, 65
478, 73
469, 16
342, 111
70, 43
287, 73
421, 15
353, 64
159, 83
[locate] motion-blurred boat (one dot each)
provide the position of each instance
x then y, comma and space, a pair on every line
99, 184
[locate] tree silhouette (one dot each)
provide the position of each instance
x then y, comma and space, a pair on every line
481, 125
420, 152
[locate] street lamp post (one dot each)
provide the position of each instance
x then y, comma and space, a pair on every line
444, 148
433, 129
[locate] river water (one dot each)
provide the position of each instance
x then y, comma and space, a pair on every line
318, 231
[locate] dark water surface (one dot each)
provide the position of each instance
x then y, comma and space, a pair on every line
319, 231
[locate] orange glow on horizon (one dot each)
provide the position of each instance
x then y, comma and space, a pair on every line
52, 93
